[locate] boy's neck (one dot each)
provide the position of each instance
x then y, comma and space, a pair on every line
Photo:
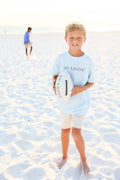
76, 53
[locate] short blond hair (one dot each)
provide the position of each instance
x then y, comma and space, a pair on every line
75, 26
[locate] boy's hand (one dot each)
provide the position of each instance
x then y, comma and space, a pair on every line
53, 85
77, 89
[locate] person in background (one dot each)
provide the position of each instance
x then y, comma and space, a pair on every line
27, 42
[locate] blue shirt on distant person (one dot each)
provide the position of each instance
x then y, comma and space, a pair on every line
27, 37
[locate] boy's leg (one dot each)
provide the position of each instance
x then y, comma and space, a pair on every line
79, 142
66, 121
65, 143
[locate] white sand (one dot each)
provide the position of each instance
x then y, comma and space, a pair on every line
29, 120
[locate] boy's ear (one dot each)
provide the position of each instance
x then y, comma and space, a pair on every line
65, 39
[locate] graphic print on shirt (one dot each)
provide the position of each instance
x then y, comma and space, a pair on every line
74, 68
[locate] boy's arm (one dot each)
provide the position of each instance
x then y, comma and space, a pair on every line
53, 82
78, 89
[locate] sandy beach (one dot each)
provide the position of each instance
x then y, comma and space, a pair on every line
30, 142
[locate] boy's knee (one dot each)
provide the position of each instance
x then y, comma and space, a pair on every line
65, 131
76, 133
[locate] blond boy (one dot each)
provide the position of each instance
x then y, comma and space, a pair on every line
72, 113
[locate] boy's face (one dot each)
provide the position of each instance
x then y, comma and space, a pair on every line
75, 40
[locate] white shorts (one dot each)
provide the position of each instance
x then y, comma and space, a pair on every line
28, 45
71, 120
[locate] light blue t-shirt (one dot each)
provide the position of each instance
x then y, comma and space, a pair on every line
81, 72
27, 37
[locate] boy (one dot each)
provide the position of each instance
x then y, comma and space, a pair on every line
27, 42
72, 113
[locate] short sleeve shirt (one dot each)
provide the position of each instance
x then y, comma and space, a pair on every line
81, 70
27, 37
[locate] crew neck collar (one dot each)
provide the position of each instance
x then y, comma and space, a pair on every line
76, 56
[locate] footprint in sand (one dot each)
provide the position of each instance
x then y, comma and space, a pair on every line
35, 173
6, 138
17, 170
24, 145
112, 137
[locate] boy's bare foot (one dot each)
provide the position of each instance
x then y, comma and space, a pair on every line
61, 163
85, 167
